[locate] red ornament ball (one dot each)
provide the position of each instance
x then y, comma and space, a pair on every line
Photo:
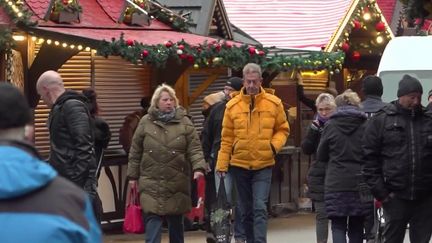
182, 56
228, 45
129, 42
261, 53
355, 56
145, 53
190, 58
380, 26
252, 50
218, 47
345, 47
168, 44
181, 47
357, 24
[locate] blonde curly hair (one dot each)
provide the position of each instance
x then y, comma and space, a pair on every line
348, 97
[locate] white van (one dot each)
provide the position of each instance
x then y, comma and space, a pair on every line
406, 55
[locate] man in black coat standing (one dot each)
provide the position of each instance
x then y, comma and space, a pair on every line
373, 90
398, 163
71, 136
211, 139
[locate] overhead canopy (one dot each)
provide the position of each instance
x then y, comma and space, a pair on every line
288, 23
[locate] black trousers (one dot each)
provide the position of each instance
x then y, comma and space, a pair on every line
399, 212
210, 198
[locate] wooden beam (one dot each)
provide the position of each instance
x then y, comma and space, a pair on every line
220, 71
49, 57
202, 87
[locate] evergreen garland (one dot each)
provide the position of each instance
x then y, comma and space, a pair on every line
19, 15
217, 54
17, 12
417, 9
6, 41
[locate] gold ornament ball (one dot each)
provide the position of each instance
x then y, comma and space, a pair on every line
196, 66
284, 64
331, 72
337, 62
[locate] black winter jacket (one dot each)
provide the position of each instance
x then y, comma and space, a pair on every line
340, 147
211, 133
72, 142
372, 104
316, 173
398, 153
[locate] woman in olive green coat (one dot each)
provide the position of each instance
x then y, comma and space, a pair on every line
165, 152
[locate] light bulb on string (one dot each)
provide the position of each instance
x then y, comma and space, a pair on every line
366, 16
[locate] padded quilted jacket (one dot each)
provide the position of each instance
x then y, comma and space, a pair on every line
162, 158
253, 131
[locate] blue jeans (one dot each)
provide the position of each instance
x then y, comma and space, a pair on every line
253, 187
352, 224
239, 233
153, 228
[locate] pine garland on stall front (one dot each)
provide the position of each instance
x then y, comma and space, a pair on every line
217, 54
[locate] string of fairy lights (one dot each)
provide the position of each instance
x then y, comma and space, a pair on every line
58, 43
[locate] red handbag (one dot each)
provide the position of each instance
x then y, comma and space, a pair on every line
133, 221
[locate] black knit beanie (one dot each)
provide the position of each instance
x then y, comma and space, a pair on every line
14, 109
235, 83
372, 85
409, 85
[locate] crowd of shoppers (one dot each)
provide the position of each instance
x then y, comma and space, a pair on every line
368, 149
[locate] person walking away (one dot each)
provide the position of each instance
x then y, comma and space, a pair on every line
102, 132
36, 205
211, 139
373, 90
71, 137
131, 123
165, 151
398, 164
254, 129
340, 149
102, 136
326, 106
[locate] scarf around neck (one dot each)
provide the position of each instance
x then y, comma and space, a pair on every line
165, 116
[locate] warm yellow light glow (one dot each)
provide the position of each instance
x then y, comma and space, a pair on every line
379, 39
366, 16
80, 47
94, 51
34, 38
72, 46
56, 43
19, 14
49, 42
314, 73
18, 37
40, 41
87, 49
64, 44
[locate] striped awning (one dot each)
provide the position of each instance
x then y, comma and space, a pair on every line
297, 24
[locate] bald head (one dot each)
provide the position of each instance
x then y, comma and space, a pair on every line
50, 86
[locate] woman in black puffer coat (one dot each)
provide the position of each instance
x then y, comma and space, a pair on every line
326, 106
340, 148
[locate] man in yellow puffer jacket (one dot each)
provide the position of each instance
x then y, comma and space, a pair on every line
254, 129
